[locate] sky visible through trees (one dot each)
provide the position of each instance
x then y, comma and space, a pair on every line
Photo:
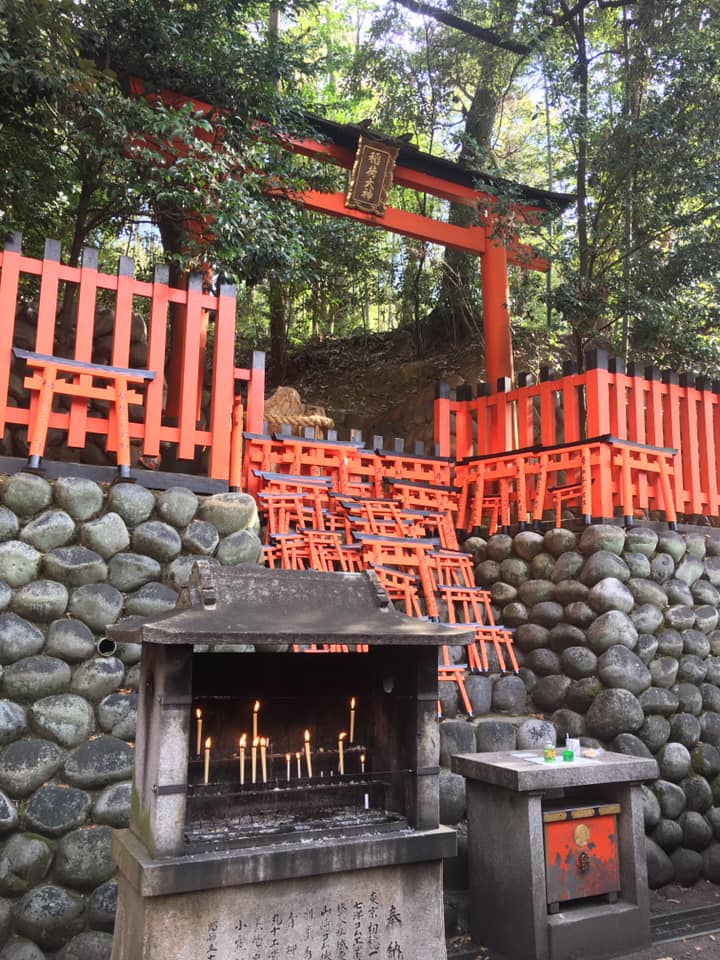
613, 101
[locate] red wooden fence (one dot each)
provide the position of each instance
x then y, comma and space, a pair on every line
661, 410
207, 395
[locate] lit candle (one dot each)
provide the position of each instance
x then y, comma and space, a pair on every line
288, 757
256, 710
352, 721
253, 759
263, 758
297, 757
366, 796
208, 744
341, 754
243, 742
308, 758
198, 717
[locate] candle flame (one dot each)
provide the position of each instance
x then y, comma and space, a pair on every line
297, 755
262, 741
256, 741
341, 736
307, 736
198, 713
208, 743
288, 756
352, 703
256, 708
243, 740
362, 758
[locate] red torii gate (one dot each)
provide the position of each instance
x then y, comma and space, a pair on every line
492, 239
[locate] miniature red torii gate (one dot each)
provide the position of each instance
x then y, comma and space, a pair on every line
491, 238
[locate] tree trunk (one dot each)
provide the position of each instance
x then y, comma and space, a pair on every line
584, 320
66, 318
457, 310
277, 366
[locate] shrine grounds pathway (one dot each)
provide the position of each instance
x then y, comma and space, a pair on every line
685, 926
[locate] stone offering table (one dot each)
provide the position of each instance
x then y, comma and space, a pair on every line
507, 797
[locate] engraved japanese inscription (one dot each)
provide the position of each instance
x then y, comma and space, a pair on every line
341, 930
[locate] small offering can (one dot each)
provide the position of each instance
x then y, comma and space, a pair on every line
549, 753
568, 756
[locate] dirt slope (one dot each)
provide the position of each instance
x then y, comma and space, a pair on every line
378, 384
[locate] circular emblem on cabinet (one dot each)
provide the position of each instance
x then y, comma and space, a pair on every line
581, 835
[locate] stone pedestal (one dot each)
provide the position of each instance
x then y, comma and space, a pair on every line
506, 794
271, 905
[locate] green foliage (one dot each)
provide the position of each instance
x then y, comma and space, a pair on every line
619, 104
78, 149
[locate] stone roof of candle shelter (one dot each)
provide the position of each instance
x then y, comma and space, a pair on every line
250, 604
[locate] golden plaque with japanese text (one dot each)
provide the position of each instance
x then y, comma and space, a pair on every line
371, 176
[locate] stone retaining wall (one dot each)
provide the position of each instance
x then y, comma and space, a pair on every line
617, 636
75, 557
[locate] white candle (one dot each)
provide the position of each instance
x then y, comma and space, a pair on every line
243, 742
352, 721
299, 768
341, 754
288, 757
253, 759
263, 758
198, 718
308, 758
208, 744
256, 710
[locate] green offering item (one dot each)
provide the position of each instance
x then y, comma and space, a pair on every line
568, 756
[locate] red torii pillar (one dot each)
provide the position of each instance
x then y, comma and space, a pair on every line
496, 311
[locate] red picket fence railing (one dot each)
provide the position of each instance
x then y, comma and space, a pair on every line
654, 409
206, 407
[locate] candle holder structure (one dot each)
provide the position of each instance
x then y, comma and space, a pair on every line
267, 849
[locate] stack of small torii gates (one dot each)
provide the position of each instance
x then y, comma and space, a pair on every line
334, 505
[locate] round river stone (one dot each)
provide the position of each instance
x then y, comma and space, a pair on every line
81, 498
27, 764
54, 809
50, 915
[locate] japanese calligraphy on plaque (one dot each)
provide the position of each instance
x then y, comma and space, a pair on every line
371, 176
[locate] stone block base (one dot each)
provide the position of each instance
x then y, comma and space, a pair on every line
381, 913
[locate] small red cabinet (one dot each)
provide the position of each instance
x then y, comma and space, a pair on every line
581, 853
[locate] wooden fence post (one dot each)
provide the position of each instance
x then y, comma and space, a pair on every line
223, 383
48, 299
463, 422
441, 419
255, 407
572, 428
8, 305
189, 370
673, 436
157, 339
84, 331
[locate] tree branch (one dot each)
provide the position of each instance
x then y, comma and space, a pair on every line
465, 26
489, 36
